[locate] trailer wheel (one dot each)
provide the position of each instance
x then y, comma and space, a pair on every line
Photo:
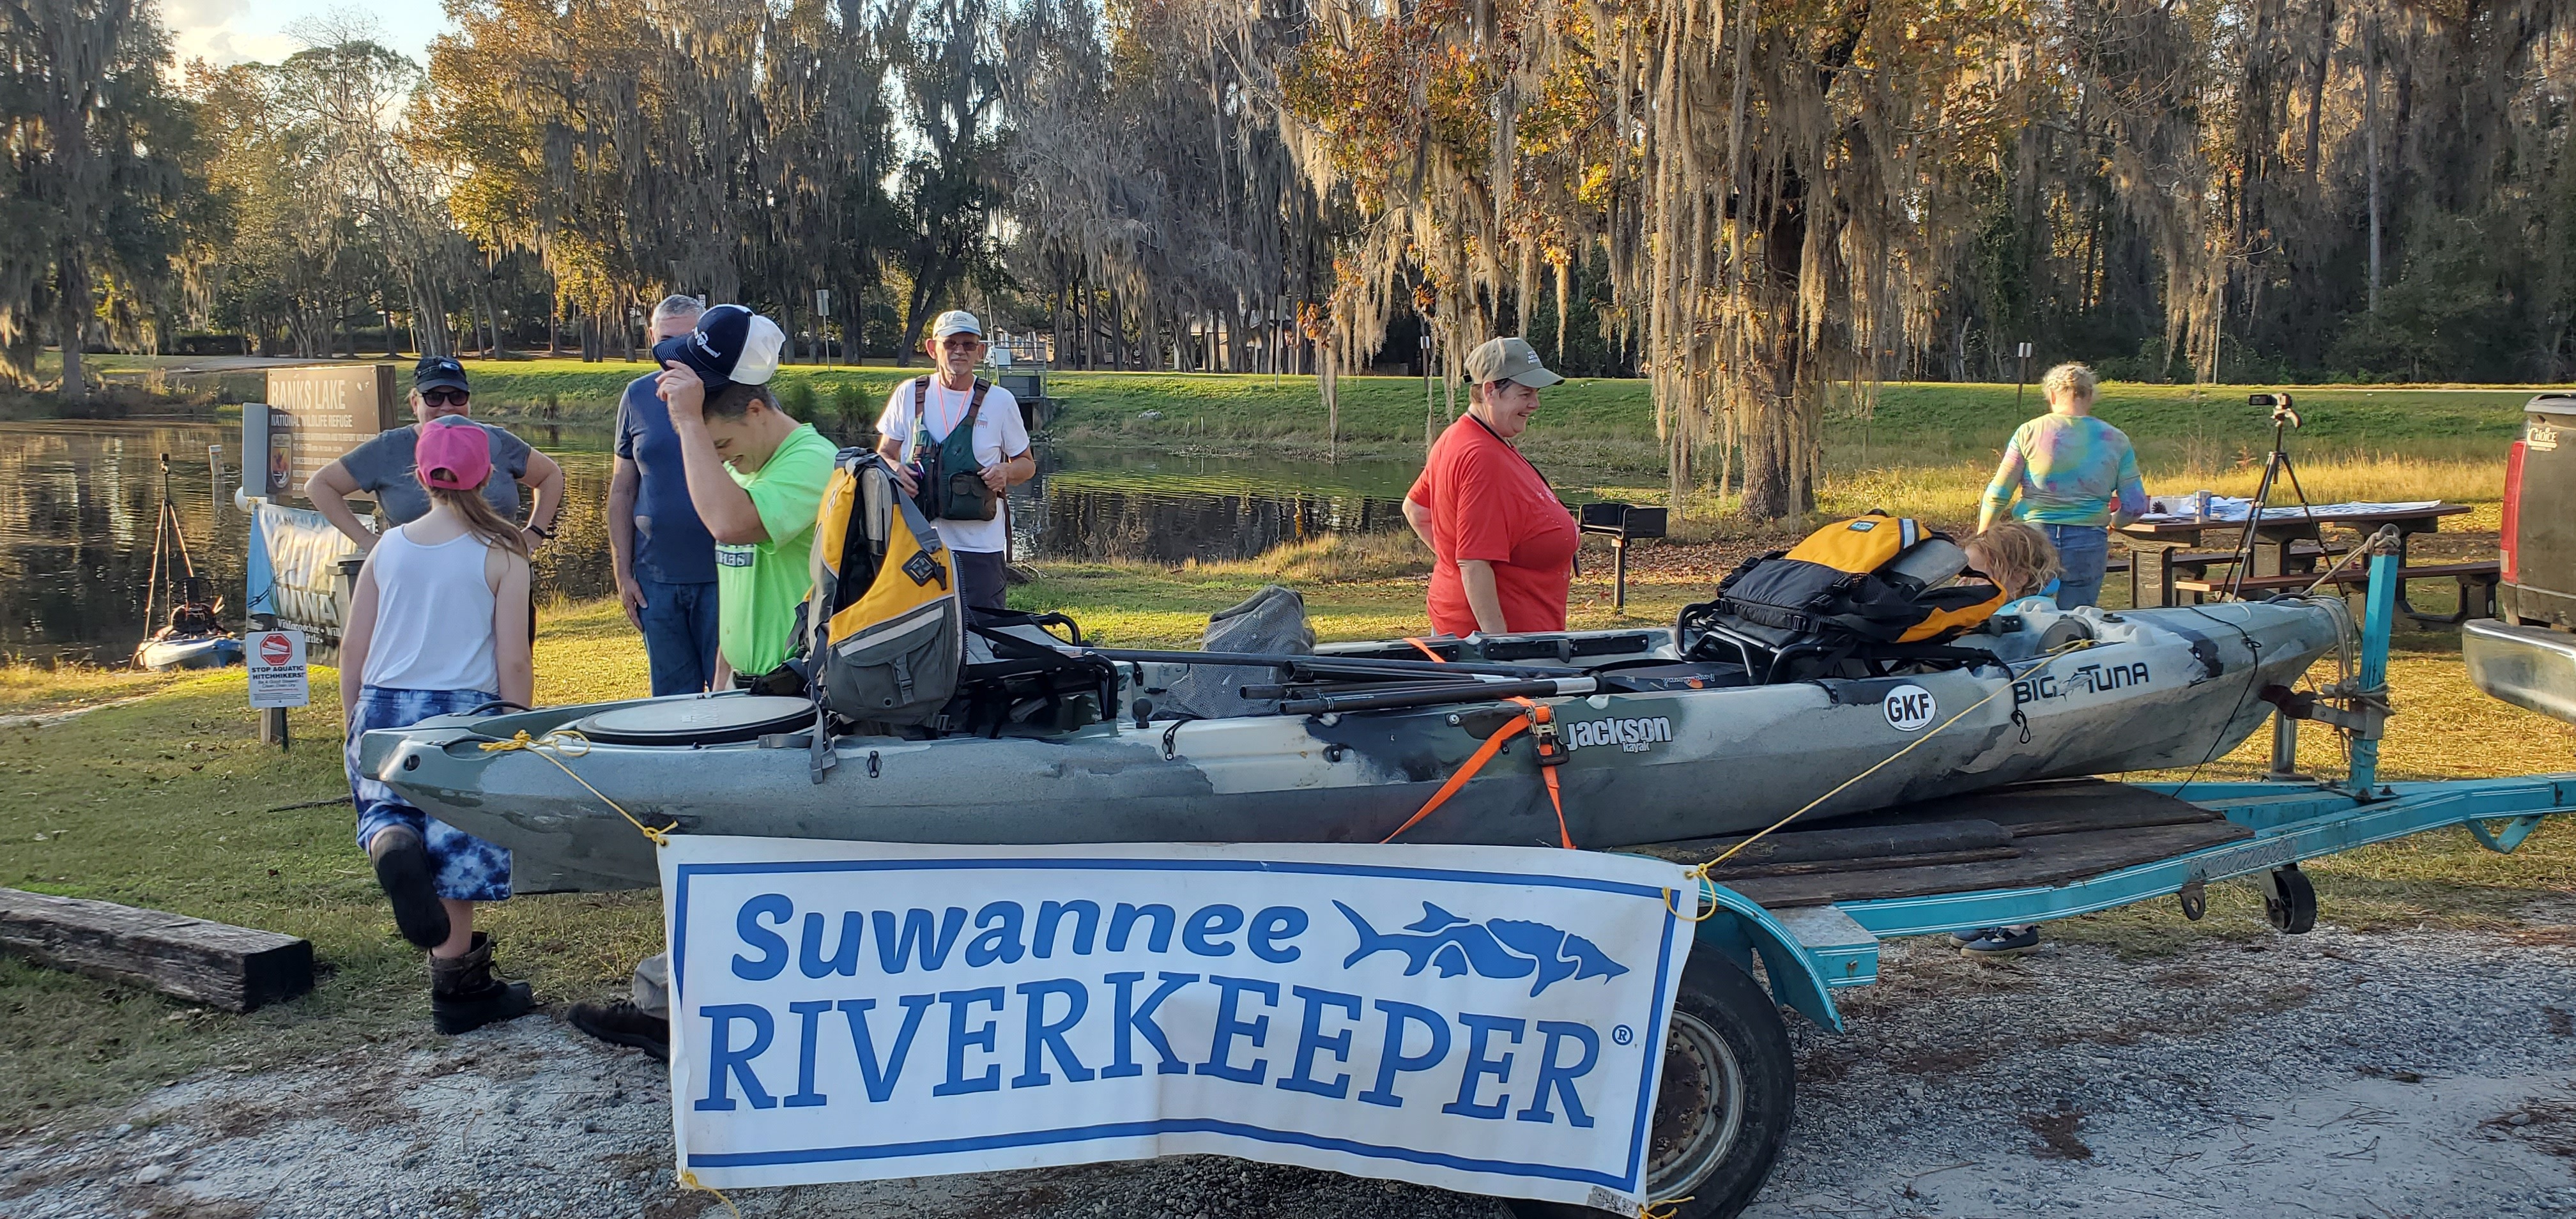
2290, 900
1722, 1110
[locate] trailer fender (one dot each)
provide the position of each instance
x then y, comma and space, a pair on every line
1742, 929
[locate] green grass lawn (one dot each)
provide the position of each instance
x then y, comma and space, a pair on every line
170, 803
1923, 448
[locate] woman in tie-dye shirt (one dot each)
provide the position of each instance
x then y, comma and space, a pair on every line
2076, 476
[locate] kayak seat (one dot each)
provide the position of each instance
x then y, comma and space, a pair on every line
1012, 683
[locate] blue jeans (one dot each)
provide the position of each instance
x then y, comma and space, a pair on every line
2081, 551
464, 868
679, 623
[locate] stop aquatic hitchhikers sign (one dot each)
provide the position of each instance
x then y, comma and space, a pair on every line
277, 675
1487, 1019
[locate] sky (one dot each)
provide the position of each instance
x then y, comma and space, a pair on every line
233, 31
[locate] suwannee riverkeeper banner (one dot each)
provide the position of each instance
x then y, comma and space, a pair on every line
1486, 1019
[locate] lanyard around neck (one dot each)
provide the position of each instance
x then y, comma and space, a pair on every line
1516, 451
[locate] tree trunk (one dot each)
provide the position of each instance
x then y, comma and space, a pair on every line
2370, 140
69, 313
1114, 344
1332, 411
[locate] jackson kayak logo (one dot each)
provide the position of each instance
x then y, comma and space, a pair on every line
1631, 736
1495, 948
1909, 707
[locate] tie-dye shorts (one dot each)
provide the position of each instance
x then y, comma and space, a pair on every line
467, 868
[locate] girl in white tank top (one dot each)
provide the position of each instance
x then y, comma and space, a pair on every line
439, 626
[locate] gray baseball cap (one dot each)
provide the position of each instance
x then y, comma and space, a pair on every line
1508, 360
956, 321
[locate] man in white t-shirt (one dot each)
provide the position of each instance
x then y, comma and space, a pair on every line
956, 345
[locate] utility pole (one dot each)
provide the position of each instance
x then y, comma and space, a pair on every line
2022, 377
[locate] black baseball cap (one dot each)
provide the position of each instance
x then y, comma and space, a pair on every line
439, 372
731, 345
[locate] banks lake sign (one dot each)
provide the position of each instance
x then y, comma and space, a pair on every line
1485, 1019
313, 417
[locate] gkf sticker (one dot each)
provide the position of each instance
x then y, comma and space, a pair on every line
1909, 708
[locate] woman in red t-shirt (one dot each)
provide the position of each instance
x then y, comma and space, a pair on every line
1503, 547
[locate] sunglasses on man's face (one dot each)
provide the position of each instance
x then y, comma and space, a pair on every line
446, 397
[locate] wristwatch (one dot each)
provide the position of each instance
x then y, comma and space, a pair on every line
542, 532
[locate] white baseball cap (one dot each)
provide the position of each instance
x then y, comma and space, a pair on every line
956, 321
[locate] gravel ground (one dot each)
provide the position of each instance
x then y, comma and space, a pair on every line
2420, 1074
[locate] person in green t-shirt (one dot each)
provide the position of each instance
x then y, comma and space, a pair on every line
757, 478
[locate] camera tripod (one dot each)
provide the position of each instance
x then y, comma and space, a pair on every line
2285, 419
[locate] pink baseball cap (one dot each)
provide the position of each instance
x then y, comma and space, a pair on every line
453, 455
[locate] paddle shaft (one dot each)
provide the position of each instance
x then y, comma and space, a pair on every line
1331, 664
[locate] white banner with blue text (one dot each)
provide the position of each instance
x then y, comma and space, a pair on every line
1485, 1019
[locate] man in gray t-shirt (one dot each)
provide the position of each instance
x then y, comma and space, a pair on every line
382, 468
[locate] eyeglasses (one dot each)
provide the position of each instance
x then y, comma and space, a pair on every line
446, 397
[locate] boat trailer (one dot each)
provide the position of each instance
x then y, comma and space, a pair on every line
1812, 906
1812, 947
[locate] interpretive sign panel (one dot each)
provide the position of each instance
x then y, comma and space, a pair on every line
277, 675
330, 410
1487, 1019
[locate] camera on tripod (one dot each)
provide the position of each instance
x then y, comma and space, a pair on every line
2275, 464
2280, 404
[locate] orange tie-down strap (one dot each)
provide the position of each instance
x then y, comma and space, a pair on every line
1549, 756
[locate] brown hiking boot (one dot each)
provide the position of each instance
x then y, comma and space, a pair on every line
464, 996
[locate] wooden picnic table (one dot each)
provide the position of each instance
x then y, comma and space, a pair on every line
2276, 535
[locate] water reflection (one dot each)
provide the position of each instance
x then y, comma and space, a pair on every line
77, 506
78, 500
1096, 504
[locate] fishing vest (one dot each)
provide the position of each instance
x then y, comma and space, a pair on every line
1867, 580
889, 633
952, 480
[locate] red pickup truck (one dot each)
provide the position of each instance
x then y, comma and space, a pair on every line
2526, 654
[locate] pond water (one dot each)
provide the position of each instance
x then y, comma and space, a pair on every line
79, 499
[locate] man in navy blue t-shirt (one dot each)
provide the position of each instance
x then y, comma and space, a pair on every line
663, 556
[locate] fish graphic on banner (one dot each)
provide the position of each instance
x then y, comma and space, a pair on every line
1497, 948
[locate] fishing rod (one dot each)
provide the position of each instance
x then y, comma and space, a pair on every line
1479, 692
1336, 665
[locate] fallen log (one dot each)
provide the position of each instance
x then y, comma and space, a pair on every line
233, 968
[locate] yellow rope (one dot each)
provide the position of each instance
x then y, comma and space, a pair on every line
1670, 1208
689, 1180
571, 744
1700, 872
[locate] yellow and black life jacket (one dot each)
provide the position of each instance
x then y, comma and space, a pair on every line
889, 633
1871, 579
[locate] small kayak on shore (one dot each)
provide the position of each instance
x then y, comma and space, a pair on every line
194, 636
189, 652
